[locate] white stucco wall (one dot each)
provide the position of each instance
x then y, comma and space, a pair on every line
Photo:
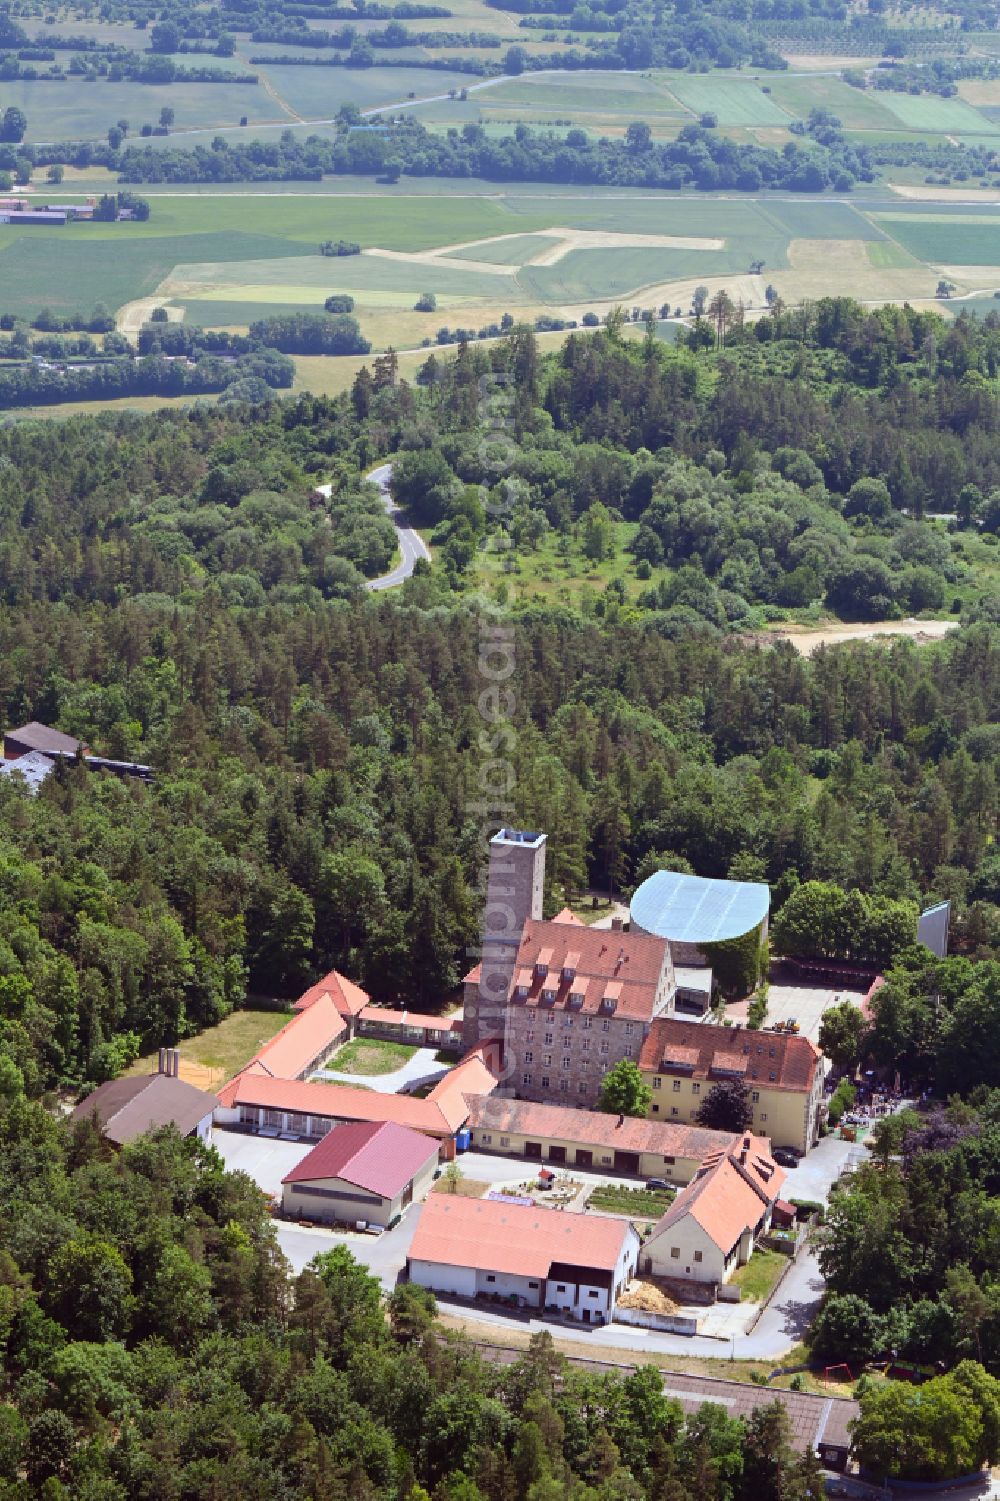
506, 1285
687, 1237
459, 1280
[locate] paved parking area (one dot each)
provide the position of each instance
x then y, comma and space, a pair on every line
804, 1003
262, 1158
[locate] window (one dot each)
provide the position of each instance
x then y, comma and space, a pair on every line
755, 1095
547, 1039
697, 1255
529, 1036
564, 1086
545, 1081
560, 1287
696, 1089
298, 1123
532, 1284
547, 1060
677, 1086
525, 1078
604, 1046
581, 1088
587, 1023
674, 1110
628, 1051
675, 1252
656, 1108
567, 1062
606, 1159
522, 992
548, 995
490, 1277
567, 1021
272, 1118
567, 1042
592, 1295
485, 1137
772, 1076
657, 1081
585, 1045
763, 1115
629, 1028
606, 1025
505, 1141
529, 1057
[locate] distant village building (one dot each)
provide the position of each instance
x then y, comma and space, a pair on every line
41, 738
24, 750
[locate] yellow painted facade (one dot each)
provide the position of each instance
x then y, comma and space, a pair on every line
787, 1116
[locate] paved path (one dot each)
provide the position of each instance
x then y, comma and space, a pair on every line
412, 546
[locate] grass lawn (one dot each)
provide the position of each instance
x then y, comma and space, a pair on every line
641, 1203
928, 112
224, 1049
756, 1280
367, 1055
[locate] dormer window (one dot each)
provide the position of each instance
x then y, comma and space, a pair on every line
548, 995
522, 992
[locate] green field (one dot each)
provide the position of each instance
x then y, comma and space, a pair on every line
732, 101
942, 240
600, 274
318, 93
511, 252
73, 110
858, 109
928, 112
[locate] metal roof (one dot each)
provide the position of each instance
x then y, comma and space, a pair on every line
691, 909
34, 768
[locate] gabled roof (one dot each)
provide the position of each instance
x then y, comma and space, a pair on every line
569, 917
126, 1108
348, 998
726, 1197
442, 1113
623, 966
41, 737
380, 1157
291, 1051
773, 1060
511, 1238
386, 1017
594, 1128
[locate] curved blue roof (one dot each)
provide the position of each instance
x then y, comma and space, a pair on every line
691, 909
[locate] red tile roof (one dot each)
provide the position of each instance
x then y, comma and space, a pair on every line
293, 1050
566, 916
380, 1157
441, 1114
386, 1017
592, 1128
348, 998
513, 1239
701, 1051
724, 1199
626, 966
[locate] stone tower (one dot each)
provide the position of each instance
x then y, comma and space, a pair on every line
513, 895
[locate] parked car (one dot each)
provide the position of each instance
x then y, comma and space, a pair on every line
657, 1185
785, 1157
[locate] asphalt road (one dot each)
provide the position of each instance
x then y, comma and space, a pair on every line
412, 546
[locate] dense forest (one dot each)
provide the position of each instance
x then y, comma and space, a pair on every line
175, 591
155, 1349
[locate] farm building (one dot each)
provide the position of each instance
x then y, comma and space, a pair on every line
349, 999
364, 1171
33, 216
592, 1140
525, 1256
39, 737
681, 1060
257, 1102
693, 913
127, 1108
712, 1226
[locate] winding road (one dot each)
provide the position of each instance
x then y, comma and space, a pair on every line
412, 546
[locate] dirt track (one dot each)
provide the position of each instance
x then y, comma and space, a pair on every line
806, 641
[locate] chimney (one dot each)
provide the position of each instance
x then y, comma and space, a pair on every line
162, 1068
621, 1121
175, 1063
616, 925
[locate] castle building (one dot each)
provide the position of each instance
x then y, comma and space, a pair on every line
569, 1001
